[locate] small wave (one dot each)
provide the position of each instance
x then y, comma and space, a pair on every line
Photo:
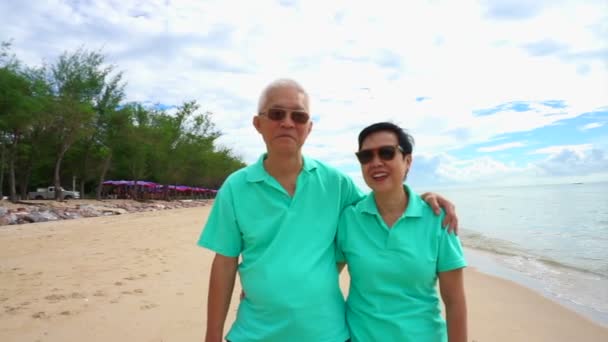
502, 247
479, 241
558, 264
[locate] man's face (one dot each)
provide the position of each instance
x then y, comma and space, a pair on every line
283, 136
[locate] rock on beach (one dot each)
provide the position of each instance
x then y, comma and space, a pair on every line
42, 211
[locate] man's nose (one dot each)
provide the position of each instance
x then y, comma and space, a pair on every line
287, 121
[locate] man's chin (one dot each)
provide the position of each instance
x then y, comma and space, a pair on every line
285, 148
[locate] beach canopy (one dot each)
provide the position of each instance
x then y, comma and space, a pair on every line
158, 187
131, 183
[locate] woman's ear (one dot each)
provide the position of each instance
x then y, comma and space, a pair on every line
408, 161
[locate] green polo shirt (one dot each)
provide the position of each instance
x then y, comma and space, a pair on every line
393, 272
287, 245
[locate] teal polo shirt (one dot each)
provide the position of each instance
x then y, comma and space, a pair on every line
287, 248
393, 272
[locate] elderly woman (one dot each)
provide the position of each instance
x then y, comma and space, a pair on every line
396, 250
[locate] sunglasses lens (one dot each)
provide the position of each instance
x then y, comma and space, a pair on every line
386, 152
299, 117
276, 114
365, 156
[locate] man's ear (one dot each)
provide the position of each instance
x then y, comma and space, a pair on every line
256, 123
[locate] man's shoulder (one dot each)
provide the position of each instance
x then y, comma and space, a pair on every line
323, 168
366, 205
359, 208
352, 211
237, 177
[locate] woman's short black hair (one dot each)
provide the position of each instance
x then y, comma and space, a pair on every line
406, 141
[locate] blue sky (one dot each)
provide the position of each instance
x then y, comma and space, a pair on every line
494, 92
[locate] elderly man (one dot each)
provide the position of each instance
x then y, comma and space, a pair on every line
280, 215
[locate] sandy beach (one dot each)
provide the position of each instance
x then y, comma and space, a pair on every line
140, 277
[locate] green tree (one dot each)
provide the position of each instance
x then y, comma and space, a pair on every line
133, 144
67, 120
182, 138
89, 154
14, 118
20, 100
80, 83
33, 152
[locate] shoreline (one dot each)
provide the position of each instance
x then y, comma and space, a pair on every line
141, 277
514, 312
488, 263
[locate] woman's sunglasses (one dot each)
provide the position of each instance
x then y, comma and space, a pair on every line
279, 114
385, 153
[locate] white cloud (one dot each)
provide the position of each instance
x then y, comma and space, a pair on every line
500, 147
569, 162
445, 170
561, 148
562, 165
361, 62
592, 125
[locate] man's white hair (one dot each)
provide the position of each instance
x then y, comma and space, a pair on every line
280, 83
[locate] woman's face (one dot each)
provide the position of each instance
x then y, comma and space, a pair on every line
384, 175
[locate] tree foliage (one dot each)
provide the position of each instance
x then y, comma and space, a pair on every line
67, 121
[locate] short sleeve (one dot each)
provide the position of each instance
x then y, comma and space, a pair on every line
340, 255
341, 239
349, 192
221, 233
450, 254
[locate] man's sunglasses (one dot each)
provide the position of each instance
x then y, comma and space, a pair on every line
385, 153
279, 114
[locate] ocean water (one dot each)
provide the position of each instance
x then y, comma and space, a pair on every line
555, 237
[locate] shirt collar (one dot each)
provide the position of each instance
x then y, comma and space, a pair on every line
257, 173
414, 206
